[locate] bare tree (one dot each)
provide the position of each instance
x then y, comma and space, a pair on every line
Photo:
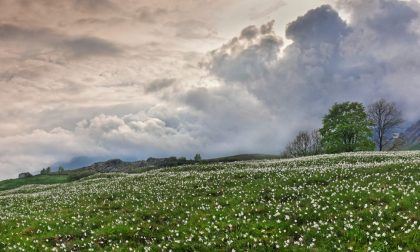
385, 117
304, 144
316, 144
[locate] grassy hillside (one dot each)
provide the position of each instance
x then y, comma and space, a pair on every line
359, 202
40, 179
125, 167
243, 157
415, 147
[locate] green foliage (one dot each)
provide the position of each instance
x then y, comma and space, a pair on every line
78, 174
40, 179
415, 147
46, 171
60, 169
242, 157
346, 128
197, 157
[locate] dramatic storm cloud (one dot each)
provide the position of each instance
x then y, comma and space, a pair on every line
328, 60
133, 79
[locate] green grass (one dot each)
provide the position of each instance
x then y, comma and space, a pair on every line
243, 157
358, 202
39, 179
415, 147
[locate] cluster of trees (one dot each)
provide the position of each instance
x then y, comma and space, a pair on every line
197, 157
305, 144
350, 127
167, 162
172, 161
46, 171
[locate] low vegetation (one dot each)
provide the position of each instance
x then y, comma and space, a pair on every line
415, 147
111, 166
360, 201
242, 157
40, 179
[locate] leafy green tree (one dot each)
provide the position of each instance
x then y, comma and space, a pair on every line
60, 169
346, 128
197, 157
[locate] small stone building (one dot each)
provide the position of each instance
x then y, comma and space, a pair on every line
25, 175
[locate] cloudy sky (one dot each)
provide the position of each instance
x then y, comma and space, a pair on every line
131, 79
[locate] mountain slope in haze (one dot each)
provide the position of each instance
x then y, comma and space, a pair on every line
412, 136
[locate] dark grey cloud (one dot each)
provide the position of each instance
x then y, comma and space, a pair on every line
388, 20
248, 57
90, 46
250, 32
95, 5
393, 20
158, 85
41, 39
328, 61
14, 32
298, 85
8, 76
322, 24
99, 21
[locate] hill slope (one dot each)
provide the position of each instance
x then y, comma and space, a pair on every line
243, 157
362, 201
415, 147
117, 165
35, 180
411, 136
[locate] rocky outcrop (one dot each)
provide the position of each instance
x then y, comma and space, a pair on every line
113, 165
117, 165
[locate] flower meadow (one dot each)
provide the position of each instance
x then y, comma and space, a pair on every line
346, 202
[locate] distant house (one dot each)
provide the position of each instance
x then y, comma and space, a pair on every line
25, 175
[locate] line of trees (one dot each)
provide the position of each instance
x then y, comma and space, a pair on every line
305, 144
46, 171
349, 127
